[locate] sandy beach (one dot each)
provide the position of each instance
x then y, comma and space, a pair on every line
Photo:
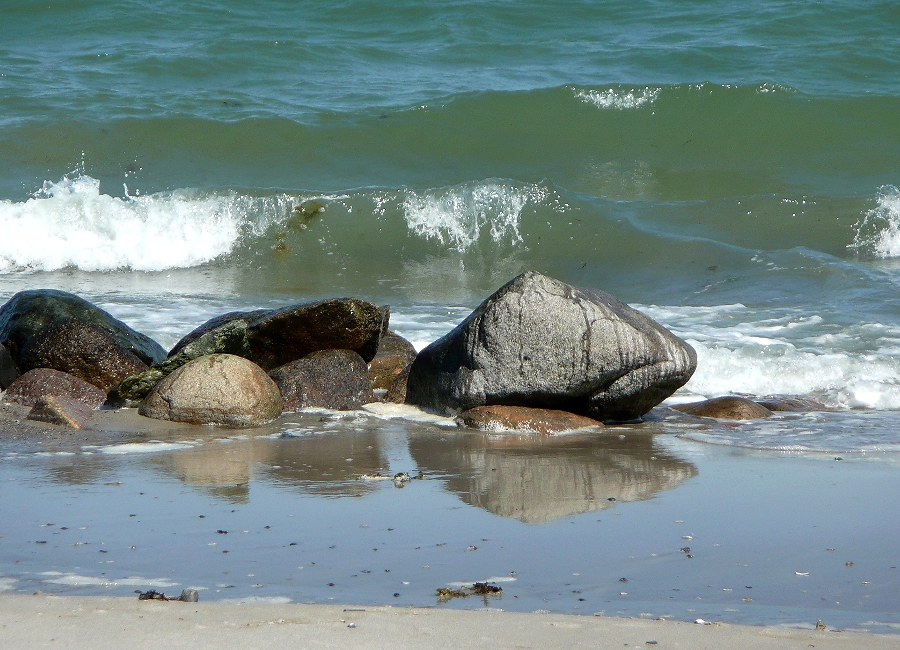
42, 621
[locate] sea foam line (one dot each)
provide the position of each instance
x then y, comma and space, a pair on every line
71, 224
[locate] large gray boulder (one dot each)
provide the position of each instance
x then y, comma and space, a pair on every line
278, 336
30, 311
215, 389
542, 343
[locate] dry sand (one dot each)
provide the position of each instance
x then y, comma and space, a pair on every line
42, 621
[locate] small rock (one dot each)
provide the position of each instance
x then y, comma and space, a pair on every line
61, 411
521, 418
395, 354
40, 382
332, 379
725, 408
396, 394
189, 596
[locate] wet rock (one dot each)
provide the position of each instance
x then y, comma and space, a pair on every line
521, 418
8, 370
396, 394
61, 411
276, 337
28, 312
792, 404
541, 343
40, 382
81, 349
725, 408
229, 338
395, 354
332, 379
215, 389
189, 596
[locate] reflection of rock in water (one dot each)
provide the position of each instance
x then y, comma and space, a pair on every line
537, 478
222, 469
327, 464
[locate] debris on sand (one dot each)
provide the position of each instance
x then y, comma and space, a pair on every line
187, 595
446, 594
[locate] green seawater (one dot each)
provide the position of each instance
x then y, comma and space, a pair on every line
695, 158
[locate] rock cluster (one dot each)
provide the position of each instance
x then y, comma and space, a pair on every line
537, 356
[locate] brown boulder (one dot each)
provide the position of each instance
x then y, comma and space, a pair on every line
8, 370
792, 404
331, 379
215, 389
61, 411
396, 394
40, 382
520, 418
278, 336
32, 310
81, 349
394, 355
725, 408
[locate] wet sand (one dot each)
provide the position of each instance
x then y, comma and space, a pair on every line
92, 623
622, 526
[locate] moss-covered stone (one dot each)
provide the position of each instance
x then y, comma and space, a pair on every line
230, 338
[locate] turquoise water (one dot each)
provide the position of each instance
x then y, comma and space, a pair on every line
731, 169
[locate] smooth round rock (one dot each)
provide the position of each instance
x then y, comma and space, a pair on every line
725, 408
523, 419
215, 389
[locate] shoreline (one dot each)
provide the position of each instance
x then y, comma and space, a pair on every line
109, 622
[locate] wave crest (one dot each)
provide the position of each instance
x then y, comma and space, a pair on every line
457, 215
71, 224
878, 231
619, 99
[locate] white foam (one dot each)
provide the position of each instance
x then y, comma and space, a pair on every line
76, 580
71, 224
458, 215
7, 584
878, 231
153, 446
760, 352
389, 411
618, 99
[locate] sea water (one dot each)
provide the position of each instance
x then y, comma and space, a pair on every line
730, 169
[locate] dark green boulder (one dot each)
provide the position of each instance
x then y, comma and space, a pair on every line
28, 312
